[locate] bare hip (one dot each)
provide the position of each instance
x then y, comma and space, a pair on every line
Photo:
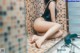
39, 19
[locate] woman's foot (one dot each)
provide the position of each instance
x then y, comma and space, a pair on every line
39, 42
34, 38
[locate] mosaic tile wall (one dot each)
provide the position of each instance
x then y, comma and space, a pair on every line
12, 26
61, 14
35, 8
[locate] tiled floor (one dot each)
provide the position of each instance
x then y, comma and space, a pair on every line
60, 48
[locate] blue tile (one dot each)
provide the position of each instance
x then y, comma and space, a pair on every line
4, 13
1, 13
6, 39
5, 34
1, 23
21, 8
10, 48
9, 28
19, 48
18, 21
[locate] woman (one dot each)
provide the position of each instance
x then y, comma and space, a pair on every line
46, 24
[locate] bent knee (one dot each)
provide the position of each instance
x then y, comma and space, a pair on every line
61, 32
57, 25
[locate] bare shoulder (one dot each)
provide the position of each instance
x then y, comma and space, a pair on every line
52, 5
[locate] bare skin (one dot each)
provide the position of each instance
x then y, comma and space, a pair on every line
56, 35
50, 29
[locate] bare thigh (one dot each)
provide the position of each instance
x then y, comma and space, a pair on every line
40, 25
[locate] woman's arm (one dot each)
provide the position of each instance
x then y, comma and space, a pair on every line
52, 10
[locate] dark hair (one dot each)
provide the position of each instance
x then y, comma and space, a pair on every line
46, 1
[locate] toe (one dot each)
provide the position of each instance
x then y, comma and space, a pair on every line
32, 40
37, 44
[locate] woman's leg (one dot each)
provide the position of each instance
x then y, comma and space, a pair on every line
40, 25
56, 35
52, 30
